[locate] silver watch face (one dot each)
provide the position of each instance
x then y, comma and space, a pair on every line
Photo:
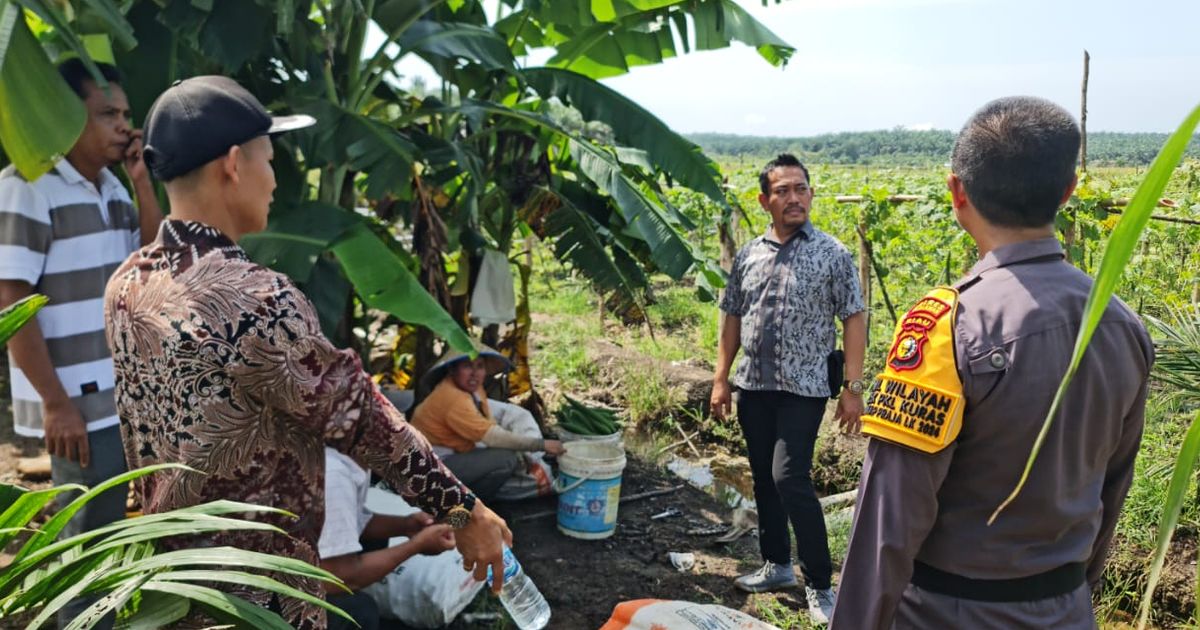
855, 387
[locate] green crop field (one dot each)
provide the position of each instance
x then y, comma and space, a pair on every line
914, 245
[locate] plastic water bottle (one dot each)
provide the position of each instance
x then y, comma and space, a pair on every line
522, 600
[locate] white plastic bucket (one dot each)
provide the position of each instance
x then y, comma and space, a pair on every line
567, 436
589, 487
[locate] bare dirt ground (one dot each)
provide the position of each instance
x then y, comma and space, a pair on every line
583, 580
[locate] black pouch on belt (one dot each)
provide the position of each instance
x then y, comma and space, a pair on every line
836, 362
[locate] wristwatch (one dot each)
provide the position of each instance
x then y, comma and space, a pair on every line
460, 515
854, 387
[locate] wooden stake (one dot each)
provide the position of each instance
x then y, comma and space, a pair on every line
840, 498
34, 468
864, 276
688, 440
1083, 114
1069, 231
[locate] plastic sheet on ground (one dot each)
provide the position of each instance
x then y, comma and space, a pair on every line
424, 591
654, 614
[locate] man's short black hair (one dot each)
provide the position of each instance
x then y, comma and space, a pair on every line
1016, 157
782, 160
76, 74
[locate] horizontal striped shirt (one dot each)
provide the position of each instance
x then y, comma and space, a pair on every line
65, 238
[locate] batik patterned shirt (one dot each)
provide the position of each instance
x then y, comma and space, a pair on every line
221, 365
788, 296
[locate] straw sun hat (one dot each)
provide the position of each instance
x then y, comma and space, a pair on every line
493, 361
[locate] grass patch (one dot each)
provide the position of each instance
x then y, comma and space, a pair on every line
567, 316
777, 614
837, 527
648, 395
1125, 575
1166, 423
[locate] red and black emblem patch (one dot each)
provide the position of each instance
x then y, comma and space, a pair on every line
908, 350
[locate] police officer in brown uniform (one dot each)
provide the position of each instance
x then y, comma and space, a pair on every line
968, 381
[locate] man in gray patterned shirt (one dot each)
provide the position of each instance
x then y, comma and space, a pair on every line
785, 291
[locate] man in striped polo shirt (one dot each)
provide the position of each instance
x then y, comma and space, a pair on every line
63, 235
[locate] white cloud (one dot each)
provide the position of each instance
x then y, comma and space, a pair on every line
754, 119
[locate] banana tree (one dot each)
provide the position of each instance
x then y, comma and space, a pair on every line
391, 197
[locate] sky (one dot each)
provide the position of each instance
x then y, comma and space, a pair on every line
927, 64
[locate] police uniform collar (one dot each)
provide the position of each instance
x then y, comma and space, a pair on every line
1048, 247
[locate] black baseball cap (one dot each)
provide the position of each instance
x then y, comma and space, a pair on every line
196, 121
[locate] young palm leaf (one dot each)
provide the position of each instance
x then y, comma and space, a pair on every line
1185, 465
1116, 256
120, 565
1178, 350
13, 317
1178, 363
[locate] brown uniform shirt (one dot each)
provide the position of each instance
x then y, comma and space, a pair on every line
1020, 310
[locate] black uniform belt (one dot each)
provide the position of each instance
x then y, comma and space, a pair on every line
1052, 583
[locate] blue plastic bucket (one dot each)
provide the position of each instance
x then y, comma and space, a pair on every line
589, 486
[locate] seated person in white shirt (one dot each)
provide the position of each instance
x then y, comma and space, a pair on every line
346, 521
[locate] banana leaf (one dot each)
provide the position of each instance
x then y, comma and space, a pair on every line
40, 117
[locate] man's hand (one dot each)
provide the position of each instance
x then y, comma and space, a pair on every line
135, 166
413, 524
553, 447
721, 401
433, 540
66, 432
481, 544
849, 412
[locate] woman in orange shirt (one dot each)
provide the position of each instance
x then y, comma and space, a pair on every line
457, 421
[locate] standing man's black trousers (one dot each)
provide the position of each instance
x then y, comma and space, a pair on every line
780, 430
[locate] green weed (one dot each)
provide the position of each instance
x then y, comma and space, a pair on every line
1166, 423
774, 612
838, 524
648, 394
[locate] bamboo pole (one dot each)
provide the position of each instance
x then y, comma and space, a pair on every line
892, 198
1108, 204
1156, 217
1083, 114
1070, 232
841, 498
864, 275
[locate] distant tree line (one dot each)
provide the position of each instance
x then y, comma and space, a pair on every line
905, 147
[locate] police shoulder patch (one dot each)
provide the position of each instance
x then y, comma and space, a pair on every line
918, 401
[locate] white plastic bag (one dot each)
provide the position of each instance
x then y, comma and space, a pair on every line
536, 480
424, 591
653, 614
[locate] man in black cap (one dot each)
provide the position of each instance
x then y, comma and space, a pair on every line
221, 364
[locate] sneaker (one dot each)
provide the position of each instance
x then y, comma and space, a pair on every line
820, 605
769, 578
